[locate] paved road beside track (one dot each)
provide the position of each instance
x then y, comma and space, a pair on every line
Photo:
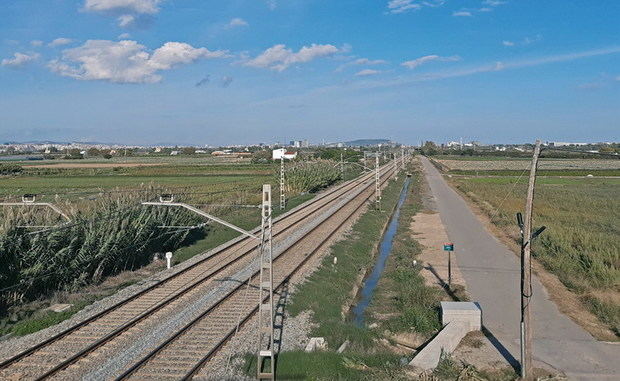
491, 272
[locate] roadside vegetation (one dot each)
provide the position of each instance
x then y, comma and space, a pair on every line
581, 245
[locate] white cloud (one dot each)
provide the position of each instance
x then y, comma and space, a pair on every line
127, 12
495, 67
367, 72
126, 20
125, 61
422, 60
237, 22
618, 78
485, 9
279, 58
461, 14
60, 41
493, 3
124, 36
134, 6
402, 6
19, 59
361, 61
366, 61
36, 43
272, 4
525, 41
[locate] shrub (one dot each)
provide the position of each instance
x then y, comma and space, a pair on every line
310, 176
118, 234
9, 169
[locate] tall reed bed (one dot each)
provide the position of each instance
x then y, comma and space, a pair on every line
115, 233
310, 176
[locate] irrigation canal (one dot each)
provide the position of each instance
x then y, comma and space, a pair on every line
385, 248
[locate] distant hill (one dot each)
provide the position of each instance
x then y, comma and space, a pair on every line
366, 142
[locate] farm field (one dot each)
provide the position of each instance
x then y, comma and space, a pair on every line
71, 180
521, 164
582, 242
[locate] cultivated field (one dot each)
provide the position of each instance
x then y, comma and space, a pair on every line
582, 242
521, 164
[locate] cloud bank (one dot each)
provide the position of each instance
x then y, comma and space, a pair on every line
126, 61
422, 60
279, 58
19, 59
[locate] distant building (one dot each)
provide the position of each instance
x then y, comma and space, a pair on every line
174, 153
566, 144
277, 154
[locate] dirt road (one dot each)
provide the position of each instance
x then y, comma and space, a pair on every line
491, 271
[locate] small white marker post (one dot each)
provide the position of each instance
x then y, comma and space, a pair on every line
168, 259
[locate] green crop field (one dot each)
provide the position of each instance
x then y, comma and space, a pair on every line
78, 180
582, 242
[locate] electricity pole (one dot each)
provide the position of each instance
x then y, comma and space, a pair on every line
341, 166
526, 271
265, 294
377, 187
282, 195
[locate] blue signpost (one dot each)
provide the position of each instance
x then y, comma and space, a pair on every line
449, 247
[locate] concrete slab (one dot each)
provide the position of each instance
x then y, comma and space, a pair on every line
59, 307
446, 341
467, 312
316, 344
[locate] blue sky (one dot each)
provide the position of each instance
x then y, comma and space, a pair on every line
245, 71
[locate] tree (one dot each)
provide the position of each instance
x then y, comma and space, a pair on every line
429, 148
188, 150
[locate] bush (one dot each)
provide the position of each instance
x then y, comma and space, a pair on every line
118, 234
7, 169
310, 176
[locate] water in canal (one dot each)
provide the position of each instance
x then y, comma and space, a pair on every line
385, 248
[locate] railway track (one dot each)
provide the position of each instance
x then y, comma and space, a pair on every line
78, 345
184, 354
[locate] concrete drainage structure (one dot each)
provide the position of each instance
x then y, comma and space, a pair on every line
458, 319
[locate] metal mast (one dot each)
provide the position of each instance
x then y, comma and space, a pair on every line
265, 294
377, 187
282, 195
341, 166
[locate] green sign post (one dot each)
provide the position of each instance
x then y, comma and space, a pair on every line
449, 247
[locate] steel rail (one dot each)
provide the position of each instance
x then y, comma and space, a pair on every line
160, 305
199, 365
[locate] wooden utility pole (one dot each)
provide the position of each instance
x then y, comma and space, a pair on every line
526, 272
